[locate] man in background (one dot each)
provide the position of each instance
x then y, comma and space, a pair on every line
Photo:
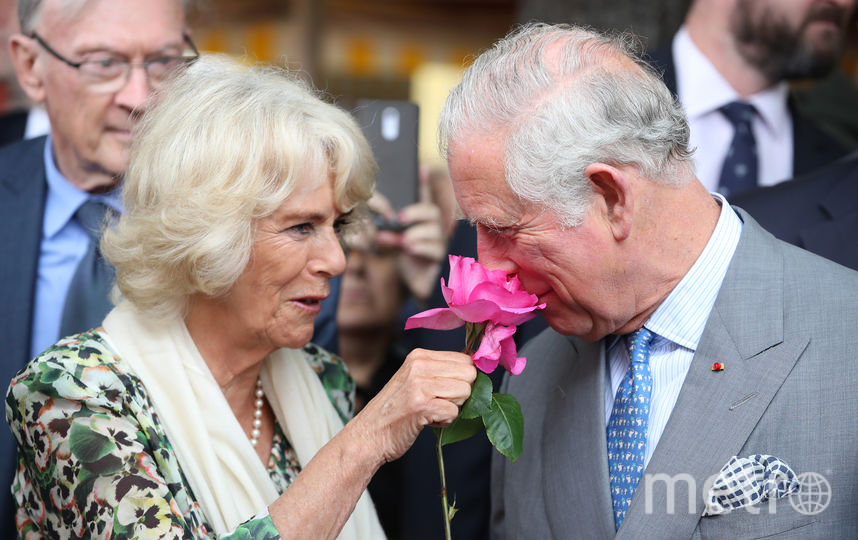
93, 66
729, 65
817, 212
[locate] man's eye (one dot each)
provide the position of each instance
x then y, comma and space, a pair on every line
495, 231
164, 60
104, 67
106, 63
160, 66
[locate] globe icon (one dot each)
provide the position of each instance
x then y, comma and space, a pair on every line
813, 495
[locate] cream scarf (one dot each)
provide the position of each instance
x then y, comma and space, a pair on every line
228, 479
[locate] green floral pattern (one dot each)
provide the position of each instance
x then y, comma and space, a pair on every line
93, 457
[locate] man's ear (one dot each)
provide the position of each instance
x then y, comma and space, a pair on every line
24, 57
614, 191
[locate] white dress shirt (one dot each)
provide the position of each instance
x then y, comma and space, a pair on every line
702, 91
678, 324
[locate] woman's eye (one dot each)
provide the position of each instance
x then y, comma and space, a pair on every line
341, 224
301, 228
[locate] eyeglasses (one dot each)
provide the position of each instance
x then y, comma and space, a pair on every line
106, 72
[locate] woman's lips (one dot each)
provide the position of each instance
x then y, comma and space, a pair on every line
311, 304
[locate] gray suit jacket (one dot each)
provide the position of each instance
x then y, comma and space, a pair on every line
785, 325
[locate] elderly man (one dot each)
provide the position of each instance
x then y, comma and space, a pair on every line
683, 336
92, 65
729, 65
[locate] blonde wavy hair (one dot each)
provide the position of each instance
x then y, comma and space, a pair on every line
223, 146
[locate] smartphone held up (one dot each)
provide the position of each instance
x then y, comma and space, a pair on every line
391, 127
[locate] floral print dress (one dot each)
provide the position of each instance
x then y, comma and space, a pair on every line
94, 460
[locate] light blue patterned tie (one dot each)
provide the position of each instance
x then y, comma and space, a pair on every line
627, 427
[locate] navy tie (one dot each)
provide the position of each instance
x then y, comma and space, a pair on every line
739, 172
87, 300
627, 427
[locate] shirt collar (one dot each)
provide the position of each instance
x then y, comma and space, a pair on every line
64, 198
703, 90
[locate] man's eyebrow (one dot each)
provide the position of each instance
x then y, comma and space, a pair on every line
100, 47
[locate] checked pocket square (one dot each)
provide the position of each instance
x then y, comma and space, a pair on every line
748, 481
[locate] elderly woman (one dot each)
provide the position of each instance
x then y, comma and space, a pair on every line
199, 409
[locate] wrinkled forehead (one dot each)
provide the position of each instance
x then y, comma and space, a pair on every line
478, 173
157, 23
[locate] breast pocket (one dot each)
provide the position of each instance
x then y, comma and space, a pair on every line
760, 521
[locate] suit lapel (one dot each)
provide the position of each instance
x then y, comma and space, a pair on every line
575, 462
716, 411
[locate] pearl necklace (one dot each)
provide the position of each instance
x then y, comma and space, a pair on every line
257, 414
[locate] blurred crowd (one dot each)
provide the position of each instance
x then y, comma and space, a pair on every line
772, 121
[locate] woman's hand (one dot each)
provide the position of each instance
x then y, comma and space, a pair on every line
428, 389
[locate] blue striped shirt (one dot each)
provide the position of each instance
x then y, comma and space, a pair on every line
678, 323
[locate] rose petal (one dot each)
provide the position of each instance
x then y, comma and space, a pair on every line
448, 293
478, 311
516, 317
436, 319
465, 274
473, 274
514, 284
503, 297
498, 277
509, 358
485, 364
486, 357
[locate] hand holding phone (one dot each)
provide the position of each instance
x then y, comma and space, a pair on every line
390, 126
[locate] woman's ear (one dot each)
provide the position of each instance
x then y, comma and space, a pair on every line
612, 187
24, 53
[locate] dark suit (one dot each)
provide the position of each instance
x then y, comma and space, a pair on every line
22, 204
817, 212
783, 324
12, 126
812, 147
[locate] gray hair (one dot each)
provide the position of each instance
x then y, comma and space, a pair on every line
30, 10
224, 146
565, 97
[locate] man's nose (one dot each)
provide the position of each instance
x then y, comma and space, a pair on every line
493, 255
135, 92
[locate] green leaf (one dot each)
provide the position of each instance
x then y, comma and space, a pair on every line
481, 398
505, 425
88, 445
461, 429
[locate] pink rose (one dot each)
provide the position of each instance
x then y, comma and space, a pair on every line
478, 295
